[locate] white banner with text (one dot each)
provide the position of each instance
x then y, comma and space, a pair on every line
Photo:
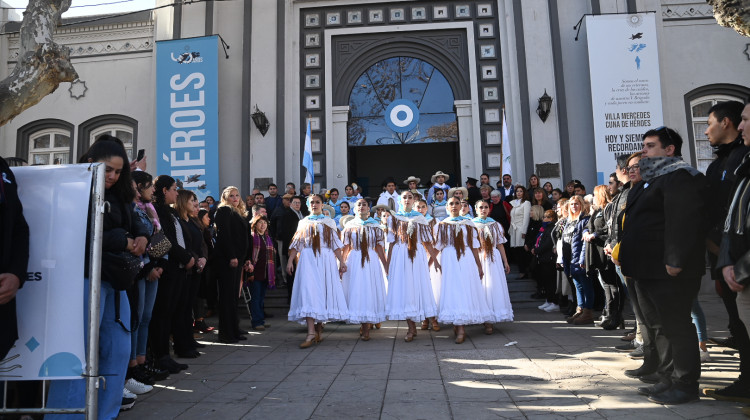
625, 84
50, 305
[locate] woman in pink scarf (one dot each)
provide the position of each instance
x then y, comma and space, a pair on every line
260, 262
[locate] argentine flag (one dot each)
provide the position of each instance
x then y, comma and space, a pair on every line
307, 159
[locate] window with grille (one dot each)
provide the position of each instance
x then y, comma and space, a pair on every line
49, 147
699, 107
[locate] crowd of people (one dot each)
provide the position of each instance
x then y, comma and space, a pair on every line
429, 254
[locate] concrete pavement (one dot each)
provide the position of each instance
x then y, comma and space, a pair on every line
536, 367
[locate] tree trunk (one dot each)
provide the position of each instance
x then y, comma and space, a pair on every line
42, 65
733, 14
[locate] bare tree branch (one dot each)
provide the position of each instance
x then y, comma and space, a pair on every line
733, 14
42, 65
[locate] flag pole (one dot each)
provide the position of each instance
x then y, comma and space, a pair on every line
502, 139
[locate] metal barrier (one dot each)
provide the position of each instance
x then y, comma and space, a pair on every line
91, 373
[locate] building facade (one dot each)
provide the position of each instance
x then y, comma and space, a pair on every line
342, 65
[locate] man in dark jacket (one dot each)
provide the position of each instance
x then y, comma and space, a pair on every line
734, 257
289, 223
474, 193
14, 258
723, 134
662, 247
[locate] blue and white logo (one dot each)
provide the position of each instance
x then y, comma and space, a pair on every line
402, 116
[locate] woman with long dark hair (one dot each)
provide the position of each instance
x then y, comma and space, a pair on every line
147, 285
364, 283
318, 295
410, 288
171, 294
187, 209
491, 238
260, 261
121, 233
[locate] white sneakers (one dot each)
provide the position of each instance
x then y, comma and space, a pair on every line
705, 357
552, 308
136, 387
549, 307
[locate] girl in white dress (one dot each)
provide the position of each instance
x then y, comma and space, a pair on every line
364, 281
494, 264
462, 298
422, 207
317, 295
411, 251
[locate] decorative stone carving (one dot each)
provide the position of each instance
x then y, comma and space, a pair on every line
686, 11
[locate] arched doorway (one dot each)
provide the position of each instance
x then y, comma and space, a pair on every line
402, 122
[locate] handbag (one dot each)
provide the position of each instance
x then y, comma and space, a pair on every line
159, 245
120, 269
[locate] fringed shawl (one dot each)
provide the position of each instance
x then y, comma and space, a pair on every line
363, 238
410, 231
490, 235
451, 233
308, 235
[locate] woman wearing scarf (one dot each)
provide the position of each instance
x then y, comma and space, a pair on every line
462, 300
318, 295
260, 261
410, 294
494, 264
363, 282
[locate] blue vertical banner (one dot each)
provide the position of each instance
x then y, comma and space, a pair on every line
187, 113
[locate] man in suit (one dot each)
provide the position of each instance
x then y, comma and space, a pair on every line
474, 193
289, 222
14, 258
507, 190
662, 247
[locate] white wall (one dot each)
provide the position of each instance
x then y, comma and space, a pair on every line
264, 77
120, 84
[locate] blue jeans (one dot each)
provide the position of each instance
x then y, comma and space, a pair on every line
257, 298
584, 287
618, 269
146, 297
114, 347
699, 319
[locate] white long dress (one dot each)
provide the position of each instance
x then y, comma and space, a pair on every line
364, 280
519, 222
490, 234
409, 287
317, 291
462, 297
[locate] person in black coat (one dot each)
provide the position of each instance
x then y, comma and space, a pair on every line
229, 257
662, 247
14, 258
172, 283
597, 262
289, 223
187, 209
543, 248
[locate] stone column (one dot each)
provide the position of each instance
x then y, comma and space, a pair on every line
467, 144
337, 166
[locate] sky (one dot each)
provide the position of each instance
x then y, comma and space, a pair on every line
88, 8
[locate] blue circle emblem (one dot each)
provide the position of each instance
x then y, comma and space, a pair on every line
402, 116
